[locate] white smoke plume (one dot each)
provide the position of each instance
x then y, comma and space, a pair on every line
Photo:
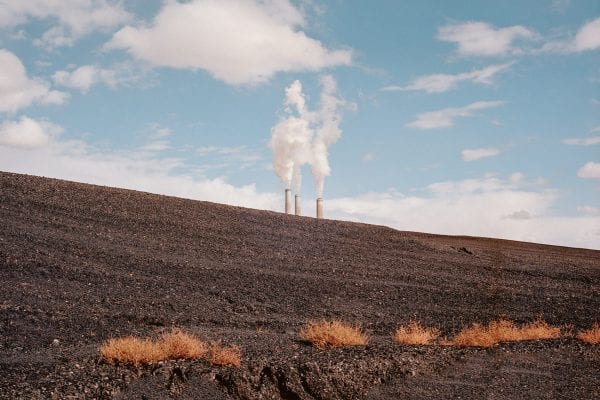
303, 136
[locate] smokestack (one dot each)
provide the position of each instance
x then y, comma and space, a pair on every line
288, 201
297, 205
320, 208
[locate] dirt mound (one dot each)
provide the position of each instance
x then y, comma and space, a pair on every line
82, 263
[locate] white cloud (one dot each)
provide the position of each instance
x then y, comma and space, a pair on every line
588, 210
84, 77
157, 145
517, 178
486, 206
18, 91
236, 41
586, 39
438, 83
583, 141
71, 19
590, 170
483, 39
476, 154
444, 118
27, 133
159, 138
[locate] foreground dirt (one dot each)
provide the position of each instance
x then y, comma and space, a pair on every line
81, 263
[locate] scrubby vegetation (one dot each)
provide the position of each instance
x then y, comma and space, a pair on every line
591, 336
175, 344
415, 333
325, 334
226, 356
503, 331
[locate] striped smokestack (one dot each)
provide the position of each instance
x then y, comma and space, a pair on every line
297, 205
320, 208
288, 201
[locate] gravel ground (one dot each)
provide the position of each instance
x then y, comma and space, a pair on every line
82, 263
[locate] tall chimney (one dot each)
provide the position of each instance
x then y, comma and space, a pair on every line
288, 201
297, 205
319, 208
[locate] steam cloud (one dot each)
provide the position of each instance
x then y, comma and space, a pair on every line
303, 137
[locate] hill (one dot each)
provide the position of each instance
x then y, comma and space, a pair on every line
83, 263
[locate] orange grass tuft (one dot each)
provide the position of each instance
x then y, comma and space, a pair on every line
324, 334
131, 350
414, 333
503, 331
224, 356
172, 345
591, 336
179, 344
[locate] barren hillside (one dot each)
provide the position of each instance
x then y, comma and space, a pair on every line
82, 263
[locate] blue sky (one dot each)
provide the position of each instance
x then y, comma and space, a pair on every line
455, 117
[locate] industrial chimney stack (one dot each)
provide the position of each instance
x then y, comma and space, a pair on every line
320, 208
288, 201
297, 205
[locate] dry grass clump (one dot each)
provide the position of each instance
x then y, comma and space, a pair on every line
591, 336
503, 331
175, 344
324, 334
415, 333
178, 344
131, 350
224, 356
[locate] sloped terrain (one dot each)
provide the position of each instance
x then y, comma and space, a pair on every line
82, 263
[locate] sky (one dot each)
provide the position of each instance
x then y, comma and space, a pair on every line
451, 117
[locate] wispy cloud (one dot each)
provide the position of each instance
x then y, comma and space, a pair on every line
84, 77
232, 158
69, 20
482, 39
583, 141
438, 83
560, 6
476, 154
586, 39
588, 210
445, 117
256, 39
590, 170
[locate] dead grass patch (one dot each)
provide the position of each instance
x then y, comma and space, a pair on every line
324, 334
415, 333
224, 356
503, 331
591, 336
175, 344
178, 344
131, 350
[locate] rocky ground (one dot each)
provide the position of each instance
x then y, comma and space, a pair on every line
81, 263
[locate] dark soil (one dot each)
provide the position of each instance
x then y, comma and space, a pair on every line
81, 263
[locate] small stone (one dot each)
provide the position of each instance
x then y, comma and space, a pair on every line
55, 342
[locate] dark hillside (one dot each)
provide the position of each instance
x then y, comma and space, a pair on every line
82, 263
